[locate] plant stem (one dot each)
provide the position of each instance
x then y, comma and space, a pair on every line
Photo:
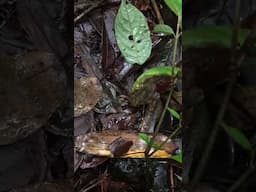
176, 38
159, 123
169, 137
170, 92
158, 14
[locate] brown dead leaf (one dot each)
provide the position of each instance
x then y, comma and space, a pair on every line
97, 143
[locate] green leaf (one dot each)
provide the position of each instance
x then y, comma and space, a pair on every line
147, 140
211, 35
177, 157
175, 6
174, 113
238, 136
132, 34
144, 137
155, 71
162, 28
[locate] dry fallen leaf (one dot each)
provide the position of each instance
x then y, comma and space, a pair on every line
87, 93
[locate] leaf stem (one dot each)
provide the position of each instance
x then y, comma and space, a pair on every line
176, 38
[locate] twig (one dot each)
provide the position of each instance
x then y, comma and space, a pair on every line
158, 14
82, 5
86, 11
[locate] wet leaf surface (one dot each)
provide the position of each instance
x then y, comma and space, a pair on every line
132, 34
97, 143
121, 112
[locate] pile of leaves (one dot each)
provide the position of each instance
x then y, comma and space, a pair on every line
127, 63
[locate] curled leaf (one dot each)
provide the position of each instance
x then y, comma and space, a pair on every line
155, 71
162, 28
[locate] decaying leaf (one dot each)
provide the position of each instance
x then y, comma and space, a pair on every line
97, 143
120, 146
87, 93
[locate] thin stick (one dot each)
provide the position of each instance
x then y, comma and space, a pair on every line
159, 123
86, 11
176, 38
158, 14
165, 141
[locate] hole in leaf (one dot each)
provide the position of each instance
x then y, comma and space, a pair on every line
130, 37
132, 46
139, 41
